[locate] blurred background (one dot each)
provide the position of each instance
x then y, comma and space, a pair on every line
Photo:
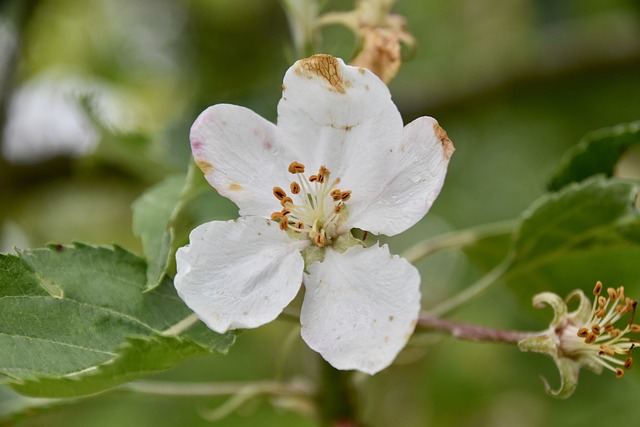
97, 98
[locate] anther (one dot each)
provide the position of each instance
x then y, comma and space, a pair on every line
336, 194
295, 187
285, 200
296, 167
279, 193
635, 328
276, 216
583, 332
621, 293
346, 195
598, 288
606, 350
601, 301
313, 178
628, 363
619, 373
284, 225
595, 328
590, 339
612, 293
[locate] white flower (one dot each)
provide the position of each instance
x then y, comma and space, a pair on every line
361, 303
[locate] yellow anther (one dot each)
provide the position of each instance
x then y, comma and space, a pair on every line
595, 328
601, 301
621, 293
590, 339
628, 363
279, 193
276, 216
319, 239
285, 200
612, 293
583, 332
296, 167
295, 187
313, 178
284, 224
619, 373
635, 328
604, 349
336, 194
598, 288
346, 195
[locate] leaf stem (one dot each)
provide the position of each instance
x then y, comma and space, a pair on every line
181, 326
474, 290
456, 239
471, 332
193, 389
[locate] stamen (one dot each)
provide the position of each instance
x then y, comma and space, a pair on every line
628, 363
598, 288
296, 167
619, 372
279, 193
295, 187
336, 194
285, 200
346, 195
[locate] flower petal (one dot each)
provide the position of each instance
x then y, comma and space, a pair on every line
240, 156
239, 274
360, 307
341, 117
419, 171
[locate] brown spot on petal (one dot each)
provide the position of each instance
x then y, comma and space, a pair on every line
204, 166
235, 186
447, 145
325, 66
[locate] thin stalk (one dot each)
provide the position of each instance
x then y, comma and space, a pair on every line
468, 332
473, 291
191, 389
456, 239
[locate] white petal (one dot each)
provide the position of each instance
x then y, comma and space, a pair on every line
360, 307
420, 169
238, 274
239, 153
341, 117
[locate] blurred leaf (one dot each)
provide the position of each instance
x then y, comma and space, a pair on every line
153, 215
586, 232
594, 214
13, 404
597, 153
75, 321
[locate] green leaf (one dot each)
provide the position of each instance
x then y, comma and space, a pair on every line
153, 215
597, 213
570, 239
75, 321
597, 153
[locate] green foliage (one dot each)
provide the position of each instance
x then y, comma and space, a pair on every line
75, 321
566, 238
597, 153
153, 215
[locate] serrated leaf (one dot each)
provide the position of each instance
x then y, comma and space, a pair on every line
597, 213
570, 239
597, 153
153, 215
99, 331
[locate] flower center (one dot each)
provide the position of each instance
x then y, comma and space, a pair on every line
600, 340
319, 206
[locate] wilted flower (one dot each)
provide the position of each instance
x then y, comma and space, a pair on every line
338, 159
594, 335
